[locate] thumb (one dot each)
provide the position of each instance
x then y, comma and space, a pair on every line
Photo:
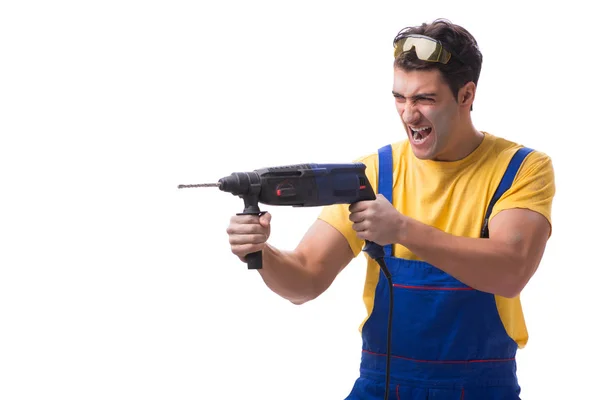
265, 219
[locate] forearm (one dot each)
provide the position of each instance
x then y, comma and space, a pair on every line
284, 273
488, 265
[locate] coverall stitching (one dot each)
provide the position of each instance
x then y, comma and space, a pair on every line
485, 360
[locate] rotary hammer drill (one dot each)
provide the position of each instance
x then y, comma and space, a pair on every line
301, 185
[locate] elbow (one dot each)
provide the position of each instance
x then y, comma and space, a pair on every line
510, 291
516, 282
309, 294
509, 288
299, 302
522, 265
305, 298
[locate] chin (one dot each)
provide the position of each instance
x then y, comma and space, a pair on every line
423, 155
424, 150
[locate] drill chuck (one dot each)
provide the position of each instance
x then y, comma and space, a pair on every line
240, 183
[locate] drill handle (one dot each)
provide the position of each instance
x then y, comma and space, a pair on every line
254, 260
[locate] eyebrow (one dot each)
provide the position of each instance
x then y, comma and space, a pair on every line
417, 96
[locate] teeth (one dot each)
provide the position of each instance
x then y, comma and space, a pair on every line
416, 132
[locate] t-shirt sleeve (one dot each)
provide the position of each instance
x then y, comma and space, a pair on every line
533, 187
338, 215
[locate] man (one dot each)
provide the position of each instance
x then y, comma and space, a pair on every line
463, 216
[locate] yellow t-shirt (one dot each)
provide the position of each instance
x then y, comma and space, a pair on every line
454, 196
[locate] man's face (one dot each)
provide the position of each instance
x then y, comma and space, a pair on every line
428, 111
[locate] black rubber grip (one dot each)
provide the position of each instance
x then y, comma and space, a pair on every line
254, 260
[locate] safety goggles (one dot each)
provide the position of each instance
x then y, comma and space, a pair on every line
426, 48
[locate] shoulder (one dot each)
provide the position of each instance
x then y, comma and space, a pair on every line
536, 161
533, 186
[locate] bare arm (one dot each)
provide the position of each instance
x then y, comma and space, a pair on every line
300, 275
502, 264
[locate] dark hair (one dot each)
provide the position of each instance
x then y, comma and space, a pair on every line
465, 63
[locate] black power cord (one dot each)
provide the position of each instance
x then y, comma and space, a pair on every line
388, 275
377, 253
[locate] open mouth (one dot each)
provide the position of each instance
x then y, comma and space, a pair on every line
420, 134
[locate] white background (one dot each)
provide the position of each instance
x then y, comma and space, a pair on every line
116, 285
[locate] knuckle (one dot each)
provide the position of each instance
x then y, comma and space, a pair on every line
251, 248
235, 249
241, 250
258, 239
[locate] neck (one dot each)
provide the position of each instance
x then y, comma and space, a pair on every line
466, 139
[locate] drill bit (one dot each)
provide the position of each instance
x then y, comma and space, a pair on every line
218, 184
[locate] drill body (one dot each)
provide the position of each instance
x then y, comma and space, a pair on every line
300, 185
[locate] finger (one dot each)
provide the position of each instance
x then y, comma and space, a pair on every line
244, 219
360, 226
265, 219
242, 250
244, 229
357, 216
364, 235
247, 239
359, 206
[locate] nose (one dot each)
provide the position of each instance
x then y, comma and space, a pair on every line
410, 114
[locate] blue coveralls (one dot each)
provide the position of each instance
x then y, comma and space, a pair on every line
448, 342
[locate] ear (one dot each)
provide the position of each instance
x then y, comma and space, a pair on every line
466, 95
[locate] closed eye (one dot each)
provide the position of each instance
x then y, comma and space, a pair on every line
423, 98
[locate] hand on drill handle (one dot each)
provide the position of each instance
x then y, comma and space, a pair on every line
377, 221
248, 233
